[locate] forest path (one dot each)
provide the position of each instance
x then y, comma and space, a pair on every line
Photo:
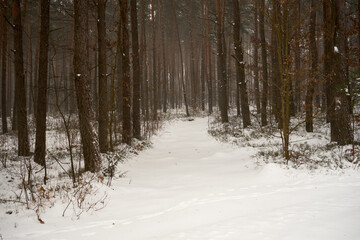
190, 186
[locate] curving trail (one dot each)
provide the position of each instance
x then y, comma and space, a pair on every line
189, 186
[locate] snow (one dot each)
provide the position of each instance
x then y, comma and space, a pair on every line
190, 186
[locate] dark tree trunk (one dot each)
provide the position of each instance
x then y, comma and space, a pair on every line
126, 82
210, 81
103, 84
37, 52
22, 126
181, 60
154, 80
313, 71
14, 125
89, 137
3, 68
145, 89
40, 145
193, 77
118, 90
136, 71
256, 59
328, 57
165, 78
297, 53
203, 53
340, 119
222, 80
264, 99
276, 80
240, 67
358, 29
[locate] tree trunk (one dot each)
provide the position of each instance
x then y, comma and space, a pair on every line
210, 81
328, 57
22, 126
264, 99
144, 61
297, 53
3, 69
165, 81
40, 145
340, 120
126, 82
313, 71
256, 59
37, 52
222, 80
136, 71
89, 137
209, 63
276, 83
181, 60
203, 54
103, 84
154, 80
119, 70
240, 67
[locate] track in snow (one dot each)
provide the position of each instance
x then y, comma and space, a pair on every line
189, 186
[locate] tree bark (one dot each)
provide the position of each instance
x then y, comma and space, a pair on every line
89, 137
154, 65
275, 75
340, 120
3, 69
264, 99
136, 71
143, 55
209, 63
256, 59
103, 107
22, 126
313, 71
297, 53
165, 72
181, 60
222, 80
126, 82
40, 145
240, 67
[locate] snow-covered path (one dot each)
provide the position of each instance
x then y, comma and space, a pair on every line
189, 186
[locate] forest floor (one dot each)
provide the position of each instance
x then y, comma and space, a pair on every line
191, 186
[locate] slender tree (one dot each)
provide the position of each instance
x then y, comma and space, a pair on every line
22, 125
181, 60
144, 60
264, 98
340, 119
154, 64
240, 67
165, 72
89, 137
40, 144
125, 58
222, 79
256, 58
103, 83
297, 53
3, 68
313, 71
136, 71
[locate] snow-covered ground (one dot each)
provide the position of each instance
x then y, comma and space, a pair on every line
190, 186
